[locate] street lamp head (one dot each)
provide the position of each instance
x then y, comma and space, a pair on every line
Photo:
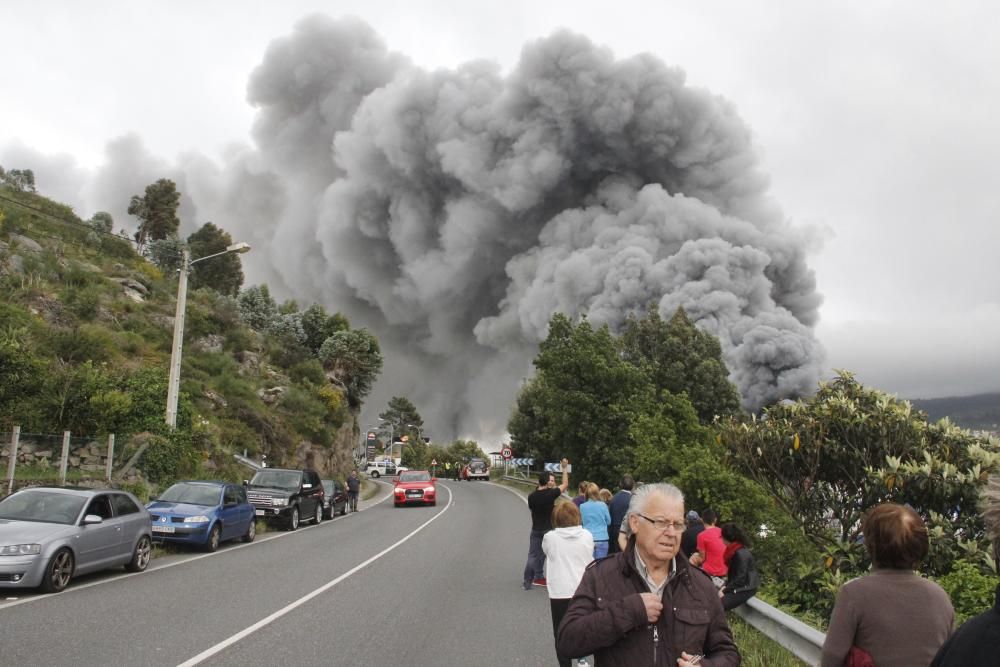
238, 247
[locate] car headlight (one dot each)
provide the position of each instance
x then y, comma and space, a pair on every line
201, 518
21, 550
279, 502
429, 489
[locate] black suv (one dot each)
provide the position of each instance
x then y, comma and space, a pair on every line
286, 497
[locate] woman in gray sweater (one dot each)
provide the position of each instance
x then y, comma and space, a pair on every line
894, 614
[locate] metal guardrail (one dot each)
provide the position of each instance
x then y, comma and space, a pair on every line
805, 642
521, 480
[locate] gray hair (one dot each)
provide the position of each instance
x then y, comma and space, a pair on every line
989, 503
640, 496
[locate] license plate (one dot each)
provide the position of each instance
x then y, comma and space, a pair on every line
259, 512
163, 529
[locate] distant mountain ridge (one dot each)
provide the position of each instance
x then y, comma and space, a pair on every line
978, 412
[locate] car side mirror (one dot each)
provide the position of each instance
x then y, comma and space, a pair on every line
395, 479
434, 479
92, 518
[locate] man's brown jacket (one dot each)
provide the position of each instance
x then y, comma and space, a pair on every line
607, 618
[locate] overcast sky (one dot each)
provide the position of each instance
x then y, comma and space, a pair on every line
878, 123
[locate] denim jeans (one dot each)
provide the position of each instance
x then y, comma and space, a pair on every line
535, 567
600, 550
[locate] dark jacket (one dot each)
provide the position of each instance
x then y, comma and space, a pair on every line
607, 618
977, 642
743, 575
618, 507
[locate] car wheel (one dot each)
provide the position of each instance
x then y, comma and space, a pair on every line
58, 572
343, 512
375, 474
318, 514
140, 557
251, 531
212, 543
293, 519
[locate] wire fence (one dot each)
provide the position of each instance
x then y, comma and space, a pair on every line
50, 458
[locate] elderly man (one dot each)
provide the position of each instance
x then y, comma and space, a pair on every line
647, 605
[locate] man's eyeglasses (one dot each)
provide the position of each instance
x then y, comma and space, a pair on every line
664, 525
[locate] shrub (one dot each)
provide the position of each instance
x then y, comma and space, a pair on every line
971, 591
309, 370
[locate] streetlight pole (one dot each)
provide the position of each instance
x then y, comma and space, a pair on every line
176, 349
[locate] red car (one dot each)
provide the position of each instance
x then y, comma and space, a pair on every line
414, 486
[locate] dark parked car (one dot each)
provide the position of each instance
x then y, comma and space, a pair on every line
50, 535
203, 514
286, 497
334, 498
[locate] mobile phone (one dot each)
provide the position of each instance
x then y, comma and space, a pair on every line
696, 659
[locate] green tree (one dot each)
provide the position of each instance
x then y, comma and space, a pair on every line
258, 309
318, 325
353, 360
406, 423
166, 254
682, 359
581, 402
224, 274
22, 180
101, 222
829, 459
157, 211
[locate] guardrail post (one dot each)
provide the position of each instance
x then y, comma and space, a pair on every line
15, 437
65, 459
111, 456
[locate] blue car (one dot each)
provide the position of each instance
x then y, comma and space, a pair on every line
203, 514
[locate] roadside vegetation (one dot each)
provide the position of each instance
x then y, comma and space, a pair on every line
86, 323
655, 402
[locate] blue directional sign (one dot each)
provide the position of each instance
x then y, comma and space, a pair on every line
556, 467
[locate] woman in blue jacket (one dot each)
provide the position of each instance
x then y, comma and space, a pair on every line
596, 519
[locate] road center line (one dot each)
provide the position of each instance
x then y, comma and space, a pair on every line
209, 652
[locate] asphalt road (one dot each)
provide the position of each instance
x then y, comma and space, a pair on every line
384, 586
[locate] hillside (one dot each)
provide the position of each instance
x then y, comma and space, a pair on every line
85, 333
979, 412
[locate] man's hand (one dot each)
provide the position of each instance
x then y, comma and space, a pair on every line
688, 660
654, 607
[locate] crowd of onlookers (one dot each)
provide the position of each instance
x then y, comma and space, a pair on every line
634, 579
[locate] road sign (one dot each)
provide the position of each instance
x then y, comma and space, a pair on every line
523, 462
434, 462
371, 435
506, 453
556, 467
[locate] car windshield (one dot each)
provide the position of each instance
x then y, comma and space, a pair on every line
415, 476
328, 486
194, 494
44, 506
278, 479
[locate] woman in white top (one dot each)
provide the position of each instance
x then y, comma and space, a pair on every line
569, 549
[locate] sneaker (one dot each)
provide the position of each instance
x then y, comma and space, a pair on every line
539, 582
526, 586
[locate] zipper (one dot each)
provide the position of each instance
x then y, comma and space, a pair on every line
656, 643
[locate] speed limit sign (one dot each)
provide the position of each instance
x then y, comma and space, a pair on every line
506, 453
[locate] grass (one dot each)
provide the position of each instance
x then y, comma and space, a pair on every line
26, 473
757, 649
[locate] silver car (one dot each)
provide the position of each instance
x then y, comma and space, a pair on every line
49, 535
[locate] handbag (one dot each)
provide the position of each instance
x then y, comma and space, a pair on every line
858, 657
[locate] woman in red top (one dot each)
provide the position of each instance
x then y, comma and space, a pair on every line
711, 548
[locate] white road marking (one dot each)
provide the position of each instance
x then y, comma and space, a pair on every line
507, 488
268, 537
209, 652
